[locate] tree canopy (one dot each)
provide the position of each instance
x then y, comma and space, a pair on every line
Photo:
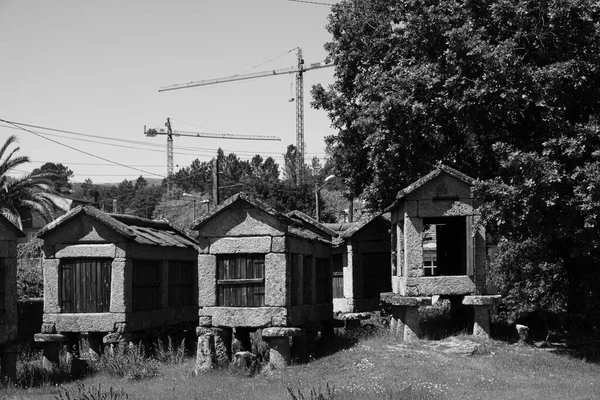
31, 191
503, 90
60, 177
419, 82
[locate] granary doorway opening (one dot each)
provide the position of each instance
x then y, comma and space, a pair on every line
447, 248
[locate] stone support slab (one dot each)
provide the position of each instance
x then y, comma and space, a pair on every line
481, 325
404, 322
399, 300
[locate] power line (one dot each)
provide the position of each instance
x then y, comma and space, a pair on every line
312, 2
78, 150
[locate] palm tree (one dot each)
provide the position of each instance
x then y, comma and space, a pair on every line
32, 191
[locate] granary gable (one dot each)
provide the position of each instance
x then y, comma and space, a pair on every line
245, 215
312, 225
8, 229
88, 224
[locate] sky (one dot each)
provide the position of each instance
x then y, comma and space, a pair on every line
94, 68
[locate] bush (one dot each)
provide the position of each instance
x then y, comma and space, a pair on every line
30, 283
128, 362
169, 354
93, 393
31, 372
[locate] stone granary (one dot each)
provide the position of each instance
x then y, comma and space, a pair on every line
110, 278
259, 269
9, 234
439, 201
361, 264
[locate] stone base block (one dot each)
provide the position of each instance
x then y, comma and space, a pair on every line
396, 299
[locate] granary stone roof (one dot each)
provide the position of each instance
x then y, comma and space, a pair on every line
346, 230
136, 229
10, 226
307, 219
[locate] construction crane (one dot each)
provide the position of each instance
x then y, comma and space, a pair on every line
299, 71
170, 133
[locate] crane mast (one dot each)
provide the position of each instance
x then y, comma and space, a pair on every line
299, 71
170, 133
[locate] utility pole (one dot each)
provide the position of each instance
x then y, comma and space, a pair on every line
216, 180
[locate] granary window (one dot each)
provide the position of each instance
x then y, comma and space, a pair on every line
323, 278
181, 283
377, 276
338, 276
145, 285
241, 280
85, 285
447, 246
307, 277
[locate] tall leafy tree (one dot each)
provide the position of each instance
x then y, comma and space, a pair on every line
504, 90
31, 192
60, 178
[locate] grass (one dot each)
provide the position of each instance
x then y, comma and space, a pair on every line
374, 367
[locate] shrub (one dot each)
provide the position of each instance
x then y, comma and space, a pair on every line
30, 283
169, 354
31, 372
92, 393
314, 394
128, 362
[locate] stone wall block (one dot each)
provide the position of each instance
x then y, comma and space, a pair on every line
120, 250
85, 250
120, 286
207, 280
278, 244
241, 245
276, 277
51, 296
413, 246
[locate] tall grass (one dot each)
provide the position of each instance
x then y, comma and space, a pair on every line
81, 392
128, 361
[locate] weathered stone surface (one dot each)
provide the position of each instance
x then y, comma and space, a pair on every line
280, 355
257, 317
48, 328
242, 222
354, 316
49, 337
222, 346
399, 300
50, 269
278, 244
207, 275
241, 245
279, 321
445, 208
282, 332
85, 250
440, 285
412, 330
205, 320
205, 353
276, 279
481, 325
413, 246
482, 300
88, 322
114, 338
244, 363
523, 332
120, 279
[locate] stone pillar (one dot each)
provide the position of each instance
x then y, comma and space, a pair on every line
482, 306
205, 352
241, 340
481, 325
280, 355
405, 314
412, 330
222, 346
8, 364
52, 343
